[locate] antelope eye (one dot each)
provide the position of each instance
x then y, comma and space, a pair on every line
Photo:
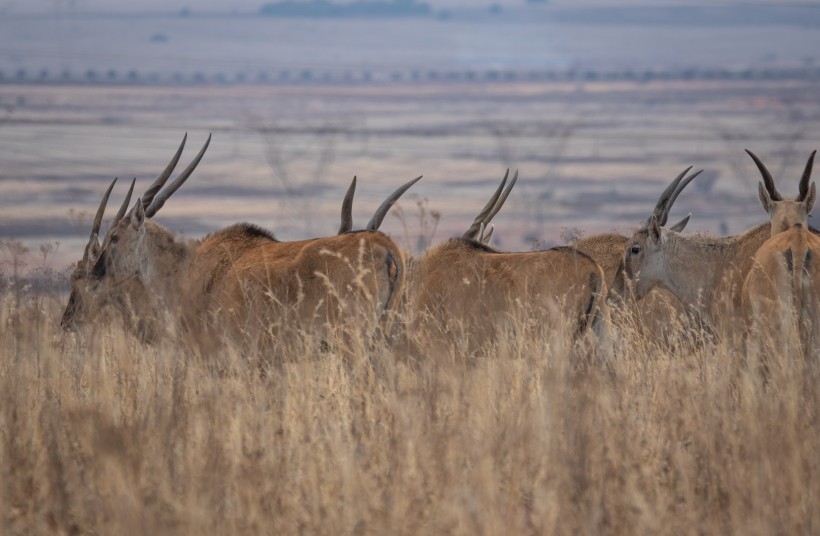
115, 239
635, 249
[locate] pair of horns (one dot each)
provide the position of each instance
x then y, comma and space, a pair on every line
151, 202
476, 230
95, 227
376, 221
768, 181
153, 199
668, 197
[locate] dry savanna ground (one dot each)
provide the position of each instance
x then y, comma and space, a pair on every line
101, 434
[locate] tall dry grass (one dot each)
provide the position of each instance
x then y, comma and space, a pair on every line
102, 434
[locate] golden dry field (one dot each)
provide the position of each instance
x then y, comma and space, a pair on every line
101, 434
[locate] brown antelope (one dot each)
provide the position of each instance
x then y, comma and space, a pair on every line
702, 271
464, 287
356, 276
244, 272
780, 292
659, 311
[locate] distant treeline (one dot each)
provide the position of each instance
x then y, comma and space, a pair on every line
318, 76
323, 8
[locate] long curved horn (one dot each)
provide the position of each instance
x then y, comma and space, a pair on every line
501, 199
667, 194
376, 221
125, 204
496, 207
804, 180
676, 193
475, 228
347, 209
485, 238
155, 187
95, 227
163, 196
768, 181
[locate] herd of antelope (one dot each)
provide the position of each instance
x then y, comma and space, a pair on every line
242, 284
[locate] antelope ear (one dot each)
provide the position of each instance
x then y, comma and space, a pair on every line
654, 228
92, 249
811, 197
681, 225
137, 215
765, 200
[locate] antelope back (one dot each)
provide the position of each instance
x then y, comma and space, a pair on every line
356, 277
781, 292
468, 288
607, 250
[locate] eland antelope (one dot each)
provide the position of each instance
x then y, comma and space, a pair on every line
702, 271
314, 285
464, 290
243, 271
660, 310
781, 293
781, 290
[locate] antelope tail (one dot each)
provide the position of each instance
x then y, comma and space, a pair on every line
798, 262
395, 279
592, 315
799, 265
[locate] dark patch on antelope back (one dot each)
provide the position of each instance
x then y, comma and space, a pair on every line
475, 244
249, 230
573, 251
789, 260
807, 262
356, 231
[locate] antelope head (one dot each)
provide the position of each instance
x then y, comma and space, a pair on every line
785, 213
112, 264
129, 248
83, 285
645, 253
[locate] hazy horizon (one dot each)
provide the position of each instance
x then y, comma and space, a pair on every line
252, 6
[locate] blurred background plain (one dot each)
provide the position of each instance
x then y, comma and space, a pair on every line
599, 104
